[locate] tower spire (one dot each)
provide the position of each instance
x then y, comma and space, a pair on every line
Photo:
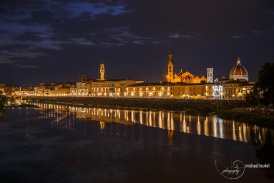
170, 55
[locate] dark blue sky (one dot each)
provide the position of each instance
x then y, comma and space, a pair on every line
50, 40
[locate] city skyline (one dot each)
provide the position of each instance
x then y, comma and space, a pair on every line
58, 41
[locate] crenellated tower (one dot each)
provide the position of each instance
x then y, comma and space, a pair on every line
102, 71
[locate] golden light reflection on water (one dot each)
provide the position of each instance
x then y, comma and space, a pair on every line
172, 121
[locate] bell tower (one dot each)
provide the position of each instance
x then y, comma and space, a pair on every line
209, 78
170, 67
102, 71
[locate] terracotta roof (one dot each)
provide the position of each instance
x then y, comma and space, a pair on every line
238, 69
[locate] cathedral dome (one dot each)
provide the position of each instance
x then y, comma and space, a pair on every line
238, 71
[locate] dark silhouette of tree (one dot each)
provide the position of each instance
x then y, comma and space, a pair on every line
3, 100
252, 99
263, 92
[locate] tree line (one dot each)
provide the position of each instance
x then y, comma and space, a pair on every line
263, 90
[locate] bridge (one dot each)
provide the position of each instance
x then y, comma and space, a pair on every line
15, 99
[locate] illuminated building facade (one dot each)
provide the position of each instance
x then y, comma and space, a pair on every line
237, 89
53, 89
195, 91
63, 90
246, 88
166, 90
6, 90
185, 77
44, 89
111, 88
2, 88
23, 92
80, 89
150, 90
102, 88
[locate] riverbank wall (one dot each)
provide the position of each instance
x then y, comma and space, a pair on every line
189, 105
223, 108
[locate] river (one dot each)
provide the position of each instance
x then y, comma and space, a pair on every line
58, 143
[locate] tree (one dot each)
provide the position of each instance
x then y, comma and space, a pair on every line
3, 100
264, 87
252, 99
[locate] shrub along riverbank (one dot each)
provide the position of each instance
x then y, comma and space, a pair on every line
248, 117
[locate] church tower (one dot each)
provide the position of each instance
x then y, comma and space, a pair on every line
170, 67
209, 78
102, 71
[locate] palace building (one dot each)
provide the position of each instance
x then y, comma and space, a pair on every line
183, 77
109, 87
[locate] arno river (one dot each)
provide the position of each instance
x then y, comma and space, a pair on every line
58, 143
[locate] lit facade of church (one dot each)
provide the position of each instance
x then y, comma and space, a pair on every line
182, 77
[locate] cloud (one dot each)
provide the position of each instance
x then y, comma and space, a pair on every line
15, 57
27, 66
30, 54
177, 35
123, 36
258, 31
32, 31
81, 41
76, 8
237, 37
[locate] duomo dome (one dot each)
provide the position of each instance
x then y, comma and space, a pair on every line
238, 72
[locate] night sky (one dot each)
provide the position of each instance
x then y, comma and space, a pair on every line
50, 40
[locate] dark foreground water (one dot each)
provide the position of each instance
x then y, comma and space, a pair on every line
67, 144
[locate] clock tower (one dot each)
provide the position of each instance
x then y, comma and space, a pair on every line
102, 71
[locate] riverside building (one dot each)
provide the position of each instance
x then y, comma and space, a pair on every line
104, 87
184, 85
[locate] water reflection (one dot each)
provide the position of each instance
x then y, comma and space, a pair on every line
174, 121
2, 113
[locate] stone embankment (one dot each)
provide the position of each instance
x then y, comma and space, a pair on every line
188, 105
226, 109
